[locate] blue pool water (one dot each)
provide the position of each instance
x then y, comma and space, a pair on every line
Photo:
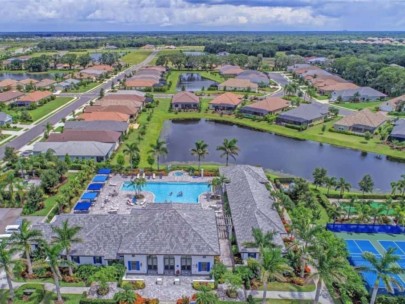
178, 173
170, 192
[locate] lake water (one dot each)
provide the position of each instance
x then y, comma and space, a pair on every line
193, 82
278, 153
22, 76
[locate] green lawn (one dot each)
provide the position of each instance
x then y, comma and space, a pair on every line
67, 298
49, 280
50, 201
85, 88
359, 105
45, 109
277, 286
173, 78
136, 56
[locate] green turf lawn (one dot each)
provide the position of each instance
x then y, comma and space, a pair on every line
67, 298
277, 286
374, 205
359, 105
173, 78
136, 56
45, 109
50, 280
85, 88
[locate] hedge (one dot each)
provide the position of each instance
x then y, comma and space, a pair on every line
97, 301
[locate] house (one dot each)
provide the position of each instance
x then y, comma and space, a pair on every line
27, 82
271, 105
10, 96
316, 60
80, 135
329, 86
298, 66
33, 97
394, 105
304, 115
398, 132
251, 206
254, 76
360, 122
185, 100
5, 119
358, 94
109, 125
234, 84
221, 54
160, 239
45, 84
111, 116
229, 70
139, 83
225, 102
82, 150
67, 84
128, 110
116, 99
8, 84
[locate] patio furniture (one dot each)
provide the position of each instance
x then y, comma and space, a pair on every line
138, 176
176, 281
153, 176
113, 210
113, 184
159, 281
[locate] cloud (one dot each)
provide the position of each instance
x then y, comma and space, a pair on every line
201, 15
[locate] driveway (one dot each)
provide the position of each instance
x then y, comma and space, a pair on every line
8, 216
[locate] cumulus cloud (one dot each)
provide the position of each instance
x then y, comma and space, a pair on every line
200, 15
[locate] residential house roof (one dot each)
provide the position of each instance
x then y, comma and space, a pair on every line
128, 110
364, 117
271, 104
129, 92
362, 91
239, 83
337, 86
35, 96
28, 81
75, 148
399, 129
8, 83
176, 229
306, 112
114, 116
102, 67
81, 135
254, 76
251, 204
108, 125
228, 69
10, 96
125, 96
4, 116
140, 83
391, 104
228, 98
45, 83
185, 97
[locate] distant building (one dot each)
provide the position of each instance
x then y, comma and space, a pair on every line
67, 84
117, 126
109, 116
257, 77
10, 96
45, 84
229, 70
357, 94
271, 105
398, 132
234, 84
394, 105
5, 119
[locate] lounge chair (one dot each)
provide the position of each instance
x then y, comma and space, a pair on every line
138, 176
143, 175
153, 176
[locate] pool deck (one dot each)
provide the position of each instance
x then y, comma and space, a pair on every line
113, 200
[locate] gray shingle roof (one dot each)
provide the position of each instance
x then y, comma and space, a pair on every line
363, 91
182, 229
306, 112
4, 116
399, 129
251, 204
75, 148
106, 125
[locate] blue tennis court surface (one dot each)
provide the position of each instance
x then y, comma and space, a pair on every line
357, 247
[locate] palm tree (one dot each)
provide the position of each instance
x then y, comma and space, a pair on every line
229, 149
329, 266
261, 239
337, 212
385, 268
272, 266
330, 182
138, 184
10, 183
62, 201
351, 204
7, 262
66, 236
343, 186
24, 238
158, 149
200, 151
206, 296
133, 151
363, 213
394, 188
126, 296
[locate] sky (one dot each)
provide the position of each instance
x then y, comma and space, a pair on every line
198, 15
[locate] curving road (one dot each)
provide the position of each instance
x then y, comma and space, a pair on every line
82, 99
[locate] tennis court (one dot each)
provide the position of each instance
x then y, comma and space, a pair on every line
376, 244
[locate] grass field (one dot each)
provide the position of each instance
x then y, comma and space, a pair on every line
45, 109
50, 280
360, 105
136, 56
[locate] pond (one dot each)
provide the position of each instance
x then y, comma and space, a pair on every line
279, 153
95, 56
22, 76
193, 82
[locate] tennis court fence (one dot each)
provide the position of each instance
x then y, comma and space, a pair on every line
365, 228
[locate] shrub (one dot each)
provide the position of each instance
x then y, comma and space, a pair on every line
298, 281
36, 297
134, 285
198, 285
97, 301
83, 272
385, 299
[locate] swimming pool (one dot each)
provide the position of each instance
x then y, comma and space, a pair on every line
172, 192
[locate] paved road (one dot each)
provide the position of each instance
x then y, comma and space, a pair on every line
83, 98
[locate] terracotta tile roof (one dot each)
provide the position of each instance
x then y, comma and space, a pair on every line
28, 81
239, 83
8, 83
35, 96
185, 97
230, 69
227, 98
129, 110
45, 83
395, 101
10, 95
81, 135
364, 117
139, 83
120, 100
112, 116
130, 97
338, 86
102, 67
271, 104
